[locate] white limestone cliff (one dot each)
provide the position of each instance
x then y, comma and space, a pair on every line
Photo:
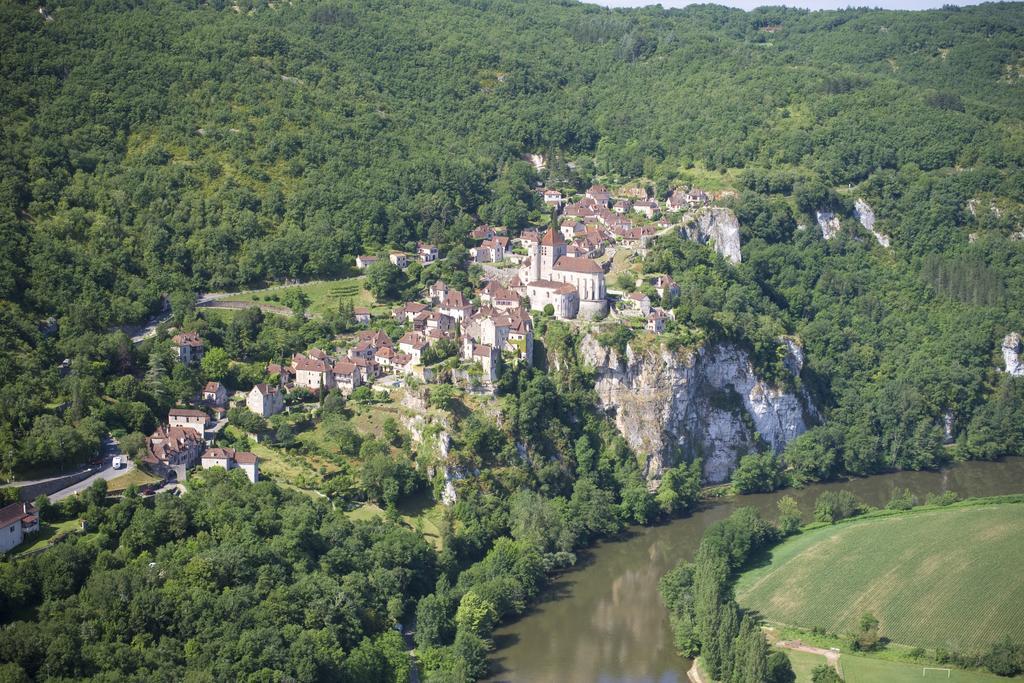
720, 227
708, 403
829, 224
1012, 351
866, 215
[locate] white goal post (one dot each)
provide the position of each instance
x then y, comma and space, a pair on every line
926, 669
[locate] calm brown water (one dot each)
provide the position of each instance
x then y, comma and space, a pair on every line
604, 621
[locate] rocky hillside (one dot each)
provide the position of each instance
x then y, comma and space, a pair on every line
709, 404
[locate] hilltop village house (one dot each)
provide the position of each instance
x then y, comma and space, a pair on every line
182, 444
229, 459
16, 520
188, 346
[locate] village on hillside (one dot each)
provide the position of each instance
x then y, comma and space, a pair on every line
451, 336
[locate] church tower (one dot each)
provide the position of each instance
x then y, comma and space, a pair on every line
552, 248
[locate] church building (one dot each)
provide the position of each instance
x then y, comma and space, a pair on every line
574, 286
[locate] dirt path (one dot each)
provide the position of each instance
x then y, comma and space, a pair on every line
831, 656
696, 675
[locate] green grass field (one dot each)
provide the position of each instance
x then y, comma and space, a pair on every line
418, 512
323, 296
136, 476
943, 578
803, 664
869, 670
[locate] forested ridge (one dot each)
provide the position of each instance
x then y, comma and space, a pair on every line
151, 151
166, 148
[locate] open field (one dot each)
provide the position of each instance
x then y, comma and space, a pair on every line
940, 578
869, 670
136, 476
419, 512
48, 533
803, 664
324, 296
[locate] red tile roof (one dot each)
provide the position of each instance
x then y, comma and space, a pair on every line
577, 264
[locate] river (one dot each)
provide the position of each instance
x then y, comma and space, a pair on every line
604, 622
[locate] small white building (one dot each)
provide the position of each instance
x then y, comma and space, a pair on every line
399, 258
16, 520
428, 252
362, 315
364, 262
215, 394
265, 400
553, 197
229, 459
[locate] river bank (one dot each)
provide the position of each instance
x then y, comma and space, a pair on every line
604, 621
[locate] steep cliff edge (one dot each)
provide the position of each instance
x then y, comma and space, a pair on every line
1013, 349
720, 227
673, 406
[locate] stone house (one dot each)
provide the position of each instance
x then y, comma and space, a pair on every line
173, 450
188, 346
639, 303
656, 320
363, 262
428, 253
598, 194
229, 459
312, 373
362, 315
188, 418
347, 376
215, 394
265, 400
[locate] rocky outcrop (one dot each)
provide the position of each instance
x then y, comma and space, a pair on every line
1012, 350
719, 226
866, 215
709, 404
829, 224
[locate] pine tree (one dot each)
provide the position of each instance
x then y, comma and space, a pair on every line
728, 630
156, 377
750, 657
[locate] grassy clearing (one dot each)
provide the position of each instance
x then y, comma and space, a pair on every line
941, 578
323, 296
300, 471
803, 664
48, 533
418, 512
136, 476
708, 180
871, 670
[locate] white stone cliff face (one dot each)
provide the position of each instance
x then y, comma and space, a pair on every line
1012, 351
701, 404
720, 226
829, 224
866, 215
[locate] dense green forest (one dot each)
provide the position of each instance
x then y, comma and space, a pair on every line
151, 151
169, 148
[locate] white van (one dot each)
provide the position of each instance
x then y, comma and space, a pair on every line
117, 463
